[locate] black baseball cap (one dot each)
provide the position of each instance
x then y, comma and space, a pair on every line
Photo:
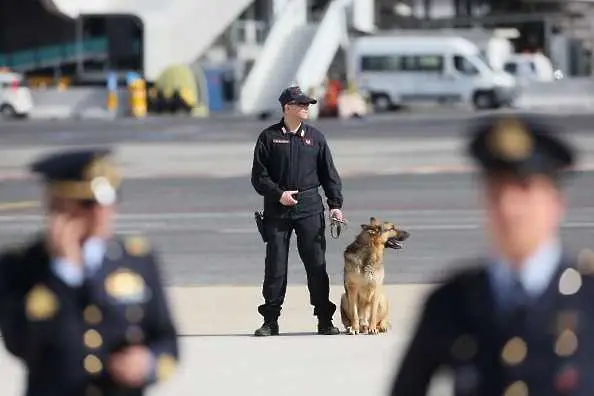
295, 95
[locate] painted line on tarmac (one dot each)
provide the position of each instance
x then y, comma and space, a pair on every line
131, 228
9, 206
448, 215
427, 227
143, 175
416, 170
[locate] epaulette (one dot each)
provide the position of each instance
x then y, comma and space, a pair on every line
136, 245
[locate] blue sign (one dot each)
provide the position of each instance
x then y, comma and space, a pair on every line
112, 81
214, 87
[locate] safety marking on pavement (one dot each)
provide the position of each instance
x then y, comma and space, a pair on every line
414, 170
7, 206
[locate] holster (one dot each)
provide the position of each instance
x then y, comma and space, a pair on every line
259, 217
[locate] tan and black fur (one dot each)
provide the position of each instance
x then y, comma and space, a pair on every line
364, 306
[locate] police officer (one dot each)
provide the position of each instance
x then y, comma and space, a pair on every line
517, 321
291, 160
83, 309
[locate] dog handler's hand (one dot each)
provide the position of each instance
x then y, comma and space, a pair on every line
337, 214
287, 198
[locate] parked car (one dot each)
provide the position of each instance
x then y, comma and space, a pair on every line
15, 96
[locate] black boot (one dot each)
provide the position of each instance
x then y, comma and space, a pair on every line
269, 328
325, 327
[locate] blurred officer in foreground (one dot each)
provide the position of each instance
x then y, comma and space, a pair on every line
291, 160
84, 310
519, 321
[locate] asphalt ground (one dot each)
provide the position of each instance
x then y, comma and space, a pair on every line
205, 232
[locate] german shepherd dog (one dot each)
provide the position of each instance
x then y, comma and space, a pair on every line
364, 306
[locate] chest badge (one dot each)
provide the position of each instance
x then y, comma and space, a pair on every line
308, 141
41, 303
126, 286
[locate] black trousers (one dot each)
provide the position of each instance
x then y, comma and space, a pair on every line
311, 245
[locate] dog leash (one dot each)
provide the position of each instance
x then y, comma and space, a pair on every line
336, 227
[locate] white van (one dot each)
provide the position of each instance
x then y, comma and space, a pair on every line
15, 96
403, 70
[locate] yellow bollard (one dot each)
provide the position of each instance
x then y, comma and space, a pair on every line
138, 104
112, 101
112, 93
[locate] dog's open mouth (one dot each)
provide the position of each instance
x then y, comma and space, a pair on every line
396, 241
393, 243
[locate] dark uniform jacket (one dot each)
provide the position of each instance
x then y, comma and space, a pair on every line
64, 335
284, 161
546, 349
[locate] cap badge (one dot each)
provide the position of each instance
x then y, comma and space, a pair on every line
510, 140
103, 191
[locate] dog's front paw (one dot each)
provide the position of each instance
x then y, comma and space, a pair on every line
382, 329
373, 330
364, 329
352, 330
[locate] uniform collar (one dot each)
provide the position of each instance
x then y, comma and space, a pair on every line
93, 253
299, 131
536, 272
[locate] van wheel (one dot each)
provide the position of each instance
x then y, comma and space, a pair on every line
381, 103
484, 100
7, 111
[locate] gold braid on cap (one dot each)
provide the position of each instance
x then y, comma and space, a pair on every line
510, 140
100, 167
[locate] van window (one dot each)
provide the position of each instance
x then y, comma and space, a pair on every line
430, 63
422, 63
376, 63
511, 68
410, 63
464, 66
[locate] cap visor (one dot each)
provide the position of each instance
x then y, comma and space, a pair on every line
306, 100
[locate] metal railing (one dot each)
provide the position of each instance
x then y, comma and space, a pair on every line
55, 55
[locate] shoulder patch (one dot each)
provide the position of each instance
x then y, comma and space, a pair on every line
137, 245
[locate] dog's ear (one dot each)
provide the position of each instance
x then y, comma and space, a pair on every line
373, 221
372, 229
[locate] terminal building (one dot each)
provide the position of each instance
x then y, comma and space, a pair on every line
258, 46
